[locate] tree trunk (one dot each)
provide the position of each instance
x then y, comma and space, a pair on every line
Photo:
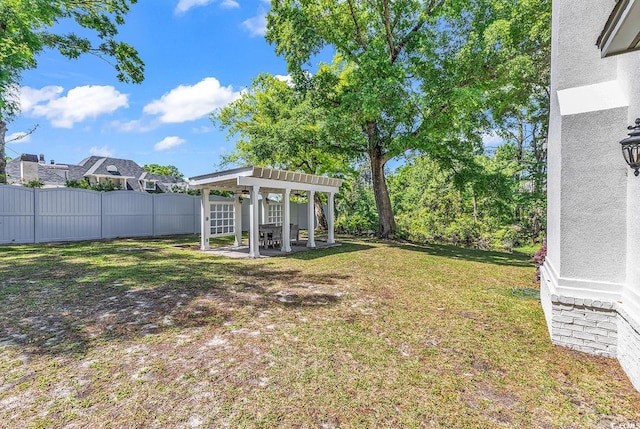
320, 216
475, 206
386, 222
3, 157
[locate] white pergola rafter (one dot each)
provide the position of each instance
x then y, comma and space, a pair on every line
265, 180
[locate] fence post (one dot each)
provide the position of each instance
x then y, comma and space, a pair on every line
153, 215
196, 210
102, 216
36, 215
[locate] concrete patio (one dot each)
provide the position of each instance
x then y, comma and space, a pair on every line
242, 252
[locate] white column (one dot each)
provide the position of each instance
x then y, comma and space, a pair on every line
330, 220
311, 220
254, 234
286, 220
205, 220
237, 218
265, 208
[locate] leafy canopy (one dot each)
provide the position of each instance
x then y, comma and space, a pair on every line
165, 170
26, 29
277, 124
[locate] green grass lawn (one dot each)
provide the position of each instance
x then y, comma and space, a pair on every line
145, 333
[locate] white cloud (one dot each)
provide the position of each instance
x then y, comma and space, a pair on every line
79, 104
101, 151
188, 103
30, 97
229, 4
492, 139
168, 143
19, 137
202, 130
285, 78
256, 26
133, 126
185, 5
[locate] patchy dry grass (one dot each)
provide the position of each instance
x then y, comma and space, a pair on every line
146, 334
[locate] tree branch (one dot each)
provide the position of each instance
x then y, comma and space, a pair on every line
433, 4
387, 29
23, 135
359, 37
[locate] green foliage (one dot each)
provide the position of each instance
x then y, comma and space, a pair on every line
183, 190
472, 207
25, 31
82, 184
35, 183
355, 204
429, 77
277, 125
85, 184
165, 170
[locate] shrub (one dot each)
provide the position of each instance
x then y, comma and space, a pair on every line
538, 258
35, 183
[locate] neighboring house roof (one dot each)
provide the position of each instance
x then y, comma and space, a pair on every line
56, 175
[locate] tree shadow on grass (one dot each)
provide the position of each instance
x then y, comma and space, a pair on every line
69, 298
474, 255
341, 247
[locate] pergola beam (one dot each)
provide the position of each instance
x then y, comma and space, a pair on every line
279, 184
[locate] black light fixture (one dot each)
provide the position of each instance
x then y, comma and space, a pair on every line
631, 147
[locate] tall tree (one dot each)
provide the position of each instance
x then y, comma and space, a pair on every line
396, 77
518, 38
25, 31
165, 170
277, 125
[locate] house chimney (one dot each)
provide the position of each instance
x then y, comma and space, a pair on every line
42, 158
28, 168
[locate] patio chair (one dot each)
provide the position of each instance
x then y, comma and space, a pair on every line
294, 234
276, 236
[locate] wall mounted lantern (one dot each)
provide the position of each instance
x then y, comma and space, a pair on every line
631, 147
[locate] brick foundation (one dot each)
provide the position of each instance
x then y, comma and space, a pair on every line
595, 327
585, 325
629, 347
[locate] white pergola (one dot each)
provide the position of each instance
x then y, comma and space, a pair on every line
262, 180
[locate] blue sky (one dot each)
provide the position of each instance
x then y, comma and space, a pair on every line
199, 55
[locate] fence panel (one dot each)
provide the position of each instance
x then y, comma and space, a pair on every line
66, 214
127, 214
302, 211
174, 214
16, 215
298, 214
197, 209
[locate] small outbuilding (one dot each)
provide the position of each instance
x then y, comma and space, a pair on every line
255, 181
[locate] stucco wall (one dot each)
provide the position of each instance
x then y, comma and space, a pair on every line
576, 62
590, 283
577, 58
585, 179
593, 203
628, 67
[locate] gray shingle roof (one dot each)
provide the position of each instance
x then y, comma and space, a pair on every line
59, 174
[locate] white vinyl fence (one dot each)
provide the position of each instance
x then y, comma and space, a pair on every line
32, 215
67, 214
